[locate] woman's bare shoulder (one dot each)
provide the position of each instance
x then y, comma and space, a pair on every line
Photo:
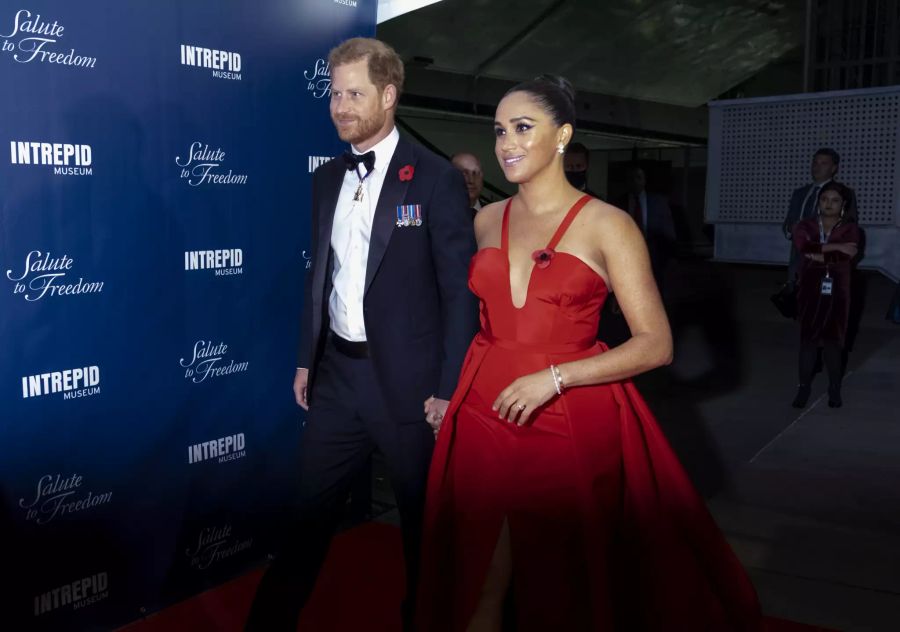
602, 217
487, 221
494, 209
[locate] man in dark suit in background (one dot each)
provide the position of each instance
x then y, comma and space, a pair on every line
576, 163
805, 201
653, 216
387, 320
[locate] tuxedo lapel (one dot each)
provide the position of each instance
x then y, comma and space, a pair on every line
808, 206
393, 192
326, 204
328, 198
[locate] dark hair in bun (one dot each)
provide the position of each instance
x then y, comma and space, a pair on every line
554, 94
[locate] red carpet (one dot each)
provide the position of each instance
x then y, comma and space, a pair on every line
360, 589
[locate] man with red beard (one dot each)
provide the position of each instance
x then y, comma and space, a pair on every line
386, 322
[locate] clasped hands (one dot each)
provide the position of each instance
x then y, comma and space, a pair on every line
435, 409
516, 403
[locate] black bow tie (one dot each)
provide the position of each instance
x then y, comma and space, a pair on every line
353, 160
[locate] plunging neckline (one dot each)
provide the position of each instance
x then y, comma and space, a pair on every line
554, 240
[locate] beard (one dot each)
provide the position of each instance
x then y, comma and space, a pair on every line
363, 129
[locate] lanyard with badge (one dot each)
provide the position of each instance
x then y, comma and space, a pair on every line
827, 282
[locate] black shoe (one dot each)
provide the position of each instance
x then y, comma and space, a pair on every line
834, 397
803, 391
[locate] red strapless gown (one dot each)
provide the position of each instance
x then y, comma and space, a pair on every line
607, 531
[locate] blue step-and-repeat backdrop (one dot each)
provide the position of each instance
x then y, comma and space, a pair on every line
154, 212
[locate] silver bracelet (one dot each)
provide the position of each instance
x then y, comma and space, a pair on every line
562, 385
557, 379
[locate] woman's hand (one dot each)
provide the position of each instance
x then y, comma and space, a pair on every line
518, 401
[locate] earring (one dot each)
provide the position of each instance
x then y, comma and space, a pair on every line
560, 149
842, 211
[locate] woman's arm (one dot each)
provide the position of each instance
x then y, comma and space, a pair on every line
627, 264
846, 248
621, 249
807, 244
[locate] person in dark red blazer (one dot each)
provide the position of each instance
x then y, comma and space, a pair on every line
829, 244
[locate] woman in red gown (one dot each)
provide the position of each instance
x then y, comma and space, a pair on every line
551, 484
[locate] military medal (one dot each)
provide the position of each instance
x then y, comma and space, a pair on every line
409, 215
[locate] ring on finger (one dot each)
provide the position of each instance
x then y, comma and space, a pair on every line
521, 407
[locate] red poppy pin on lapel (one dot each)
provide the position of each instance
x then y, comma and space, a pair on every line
542, 257
406, 173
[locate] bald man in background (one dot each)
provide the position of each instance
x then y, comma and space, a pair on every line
470, 167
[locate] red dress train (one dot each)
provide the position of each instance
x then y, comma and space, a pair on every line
607, 531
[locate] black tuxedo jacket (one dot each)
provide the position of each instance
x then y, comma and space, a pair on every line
420, 315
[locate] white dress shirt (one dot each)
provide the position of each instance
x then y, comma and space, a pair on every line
350, 237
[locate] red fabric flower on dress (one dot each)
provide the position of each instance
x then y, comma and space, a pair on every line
542, 257
406, 173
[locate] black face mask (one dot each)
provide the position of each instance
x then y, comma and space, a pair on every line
577, 179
